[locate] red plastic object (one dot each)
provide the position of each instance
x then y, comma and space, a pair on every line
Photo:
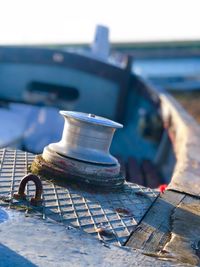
162, 188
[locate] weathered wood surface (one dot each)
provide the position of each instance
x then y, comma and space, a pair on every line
184, 242
184, 132
170, 229
155, 225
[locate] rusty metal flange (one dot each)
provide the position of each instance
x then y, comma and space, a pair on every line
70, 170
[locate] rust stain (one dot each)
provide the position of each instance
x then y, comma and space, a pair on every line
124, 212
105, 232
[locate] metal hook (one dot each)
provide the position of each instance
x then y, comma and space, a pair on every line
36, 200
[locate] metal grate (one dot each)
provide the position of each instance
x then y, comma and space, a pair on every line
108, 216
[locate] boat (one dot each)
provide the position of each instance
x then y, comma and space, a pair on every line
152, 216
77, 82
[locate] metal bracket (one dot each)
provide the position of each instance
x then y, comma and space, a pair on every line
36, 200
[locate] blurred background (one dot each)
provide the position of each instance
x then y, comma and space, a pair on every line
65, 21
162, 36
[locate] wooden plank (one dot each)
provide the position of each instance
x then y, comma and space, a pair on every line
154, 229
185, 232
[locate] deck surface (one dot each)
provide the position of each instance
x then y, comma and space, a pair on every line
110, 216
153, 228
31, 242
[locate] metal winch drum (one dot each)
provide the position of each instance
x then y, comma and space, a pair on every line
83, 155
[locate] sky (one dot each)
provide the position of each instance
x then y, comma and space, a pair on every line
73, 21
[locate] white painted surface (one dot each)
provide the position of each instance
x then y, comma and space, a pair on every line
26, 241
65, 21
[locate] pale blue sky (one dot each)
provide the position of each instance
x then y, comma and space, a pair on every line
65, 21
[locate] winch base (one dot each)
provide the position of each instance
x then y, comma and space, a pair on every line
71, 174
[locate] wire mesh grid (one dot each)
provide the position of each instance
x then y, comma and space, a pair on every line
109, 216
